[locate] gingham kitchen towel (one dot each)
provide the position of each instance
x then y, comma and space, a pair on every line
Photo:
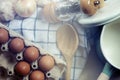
39, 31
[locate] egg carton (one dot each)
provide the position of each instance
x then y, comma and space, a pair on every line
8, 60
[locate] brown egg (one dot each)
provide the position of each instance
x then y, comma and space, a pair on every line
16, 45
4, 36
90, 7
37, 75
52, 13
22, 68
46, 13
46, 63
31, 54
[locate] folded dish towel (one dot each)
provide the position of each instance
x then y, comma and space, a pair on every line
39, 31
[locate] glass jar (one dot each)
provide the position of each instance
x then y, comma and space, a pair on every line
65, 11
61, 11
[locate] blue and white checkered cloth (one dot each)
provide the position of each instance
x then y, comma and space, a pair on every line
39, 31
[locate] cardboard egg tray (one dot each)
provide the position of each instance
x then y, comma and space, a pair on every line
8, 60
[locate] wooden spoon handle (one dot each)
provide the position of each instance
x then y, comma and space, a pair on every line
68, 70
103, 76
107, 72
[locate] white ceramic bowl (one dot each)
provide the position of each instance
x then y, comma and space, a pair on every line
110, 43
108, 13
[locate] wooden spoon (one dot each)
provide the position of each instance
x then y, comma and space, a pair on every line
67, 41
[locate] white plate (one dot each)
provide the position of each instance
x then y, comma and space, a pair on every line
108, 13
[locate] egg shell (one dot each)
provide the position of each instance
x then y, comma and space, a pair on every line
31, 54
25, 8
46, 63
46, 12
22, 68
89, 7
52, 12
4, 35
16, 45
37, 75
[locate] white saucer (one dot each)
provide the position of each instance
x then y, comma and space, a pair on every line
108, 13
